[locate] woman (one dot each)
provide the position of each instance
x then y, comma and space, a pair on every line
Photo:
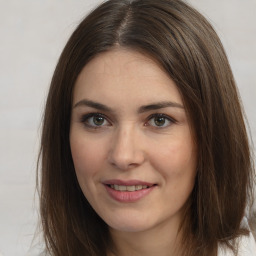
144, 149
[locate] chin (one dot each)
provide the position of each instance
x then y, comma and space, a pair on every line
128, 227
129, 223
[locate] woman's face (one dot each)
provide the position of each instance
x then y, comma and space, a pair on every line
131, 143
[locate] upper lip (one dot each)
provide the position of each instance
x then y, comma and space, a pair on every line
127, 182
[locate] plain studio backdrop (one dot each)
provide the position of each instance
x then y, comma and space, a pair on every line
33, 34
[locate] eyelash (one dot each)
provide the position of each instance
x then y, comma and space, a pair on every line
165, 117
86, 118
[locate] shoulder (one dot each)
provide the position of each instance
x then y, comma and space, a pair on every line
246, 245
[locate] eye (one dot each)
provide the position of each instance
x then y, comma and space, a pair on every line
95, 120
160, 121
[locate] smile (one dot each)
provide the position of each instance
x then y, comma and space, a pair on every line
128, 188
128, 191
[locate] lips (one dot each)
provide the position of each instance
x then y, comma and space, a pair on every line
128, 188
128, 191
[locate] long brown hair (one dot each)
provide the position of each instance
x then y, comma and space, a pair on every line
187, 47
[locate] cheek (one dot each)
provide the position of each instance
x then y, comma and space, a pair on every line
178, 167
86, 156
177, 161
177, 155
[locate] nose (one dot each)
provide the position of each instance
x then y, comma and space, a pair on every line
126, 149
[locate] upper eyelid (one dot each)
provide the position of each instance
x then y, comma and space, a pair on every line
85, 117
93, 113
162, 115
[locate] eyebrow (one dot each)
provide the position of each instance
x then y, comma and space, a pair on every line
142, 109
159, 105
93, 104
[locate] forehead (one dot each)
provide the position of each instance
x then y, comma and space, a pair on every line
123, 62
122, 73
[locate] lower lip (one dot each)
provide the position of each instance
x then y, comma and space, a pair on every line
126, 196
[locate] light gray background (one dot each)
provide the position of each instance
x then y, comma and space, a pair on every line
32, 35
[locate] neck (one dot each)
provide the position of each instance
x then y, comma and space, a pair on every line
163, 240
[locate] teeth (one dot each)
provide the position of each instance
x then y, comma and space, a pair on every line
128, 188
122, 188
138, 187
